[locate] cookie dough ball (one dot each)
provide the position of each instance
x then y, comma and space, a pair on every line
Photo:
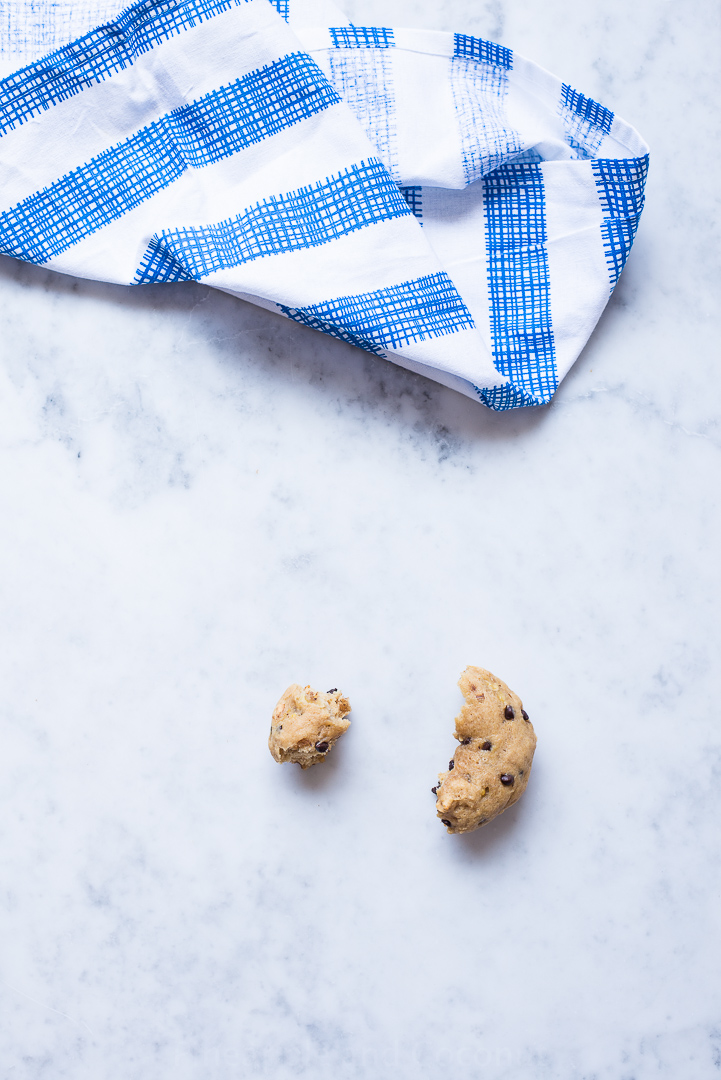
490, 768
306, 723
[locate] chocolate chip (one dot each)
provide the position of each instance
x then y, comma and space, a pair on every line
509, 713
487, 746
507, 779
451, 764
445, 821
333, 691
524, 714
435, 789
321, 747
279, 728
465, 742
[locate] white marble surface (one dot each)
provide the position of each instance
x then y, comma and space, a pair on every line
201, 503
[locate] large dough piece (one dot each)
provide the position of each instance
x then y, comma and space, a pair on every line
490, 768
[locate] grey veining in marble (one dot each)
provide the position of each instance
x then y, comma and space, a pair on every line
202, 502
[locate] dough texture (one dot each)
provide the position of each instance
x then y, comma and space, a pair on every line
490, 768
306, 723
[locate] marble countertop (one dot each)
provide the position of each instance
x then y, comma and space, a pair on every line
202, 503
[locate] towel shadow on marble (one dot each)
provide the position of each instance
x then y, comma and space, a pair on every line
318, 364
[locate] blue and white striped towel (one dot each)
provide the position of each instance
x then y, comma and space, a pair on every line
433, 198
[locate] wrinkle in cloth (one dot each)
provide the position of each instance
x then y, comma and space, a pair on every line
433, 198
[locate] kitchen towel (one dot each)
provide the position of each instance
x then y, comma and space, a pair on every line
433, 198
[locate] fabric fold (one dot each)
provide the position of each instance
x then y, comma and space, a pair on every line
432, 198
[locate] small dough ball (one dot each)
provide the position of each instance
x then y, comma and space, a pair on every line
490, 768
306, 723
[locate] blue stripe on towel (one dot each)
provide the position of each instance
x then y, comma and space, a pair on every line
99, 54
518, 280
585, 121
425, 307
362, 37
302, 315
479, 83
620, 185
282, 7
473, 48
503, 398
413, 194
361, 70
586, 108
359, 196
212, 128
158, 267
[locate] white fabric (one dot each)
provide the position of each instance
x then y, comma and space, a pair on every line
430, 197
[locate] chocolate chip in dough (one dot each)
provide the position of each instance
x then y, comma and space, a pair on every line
507, 779
321, 747
509, 712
